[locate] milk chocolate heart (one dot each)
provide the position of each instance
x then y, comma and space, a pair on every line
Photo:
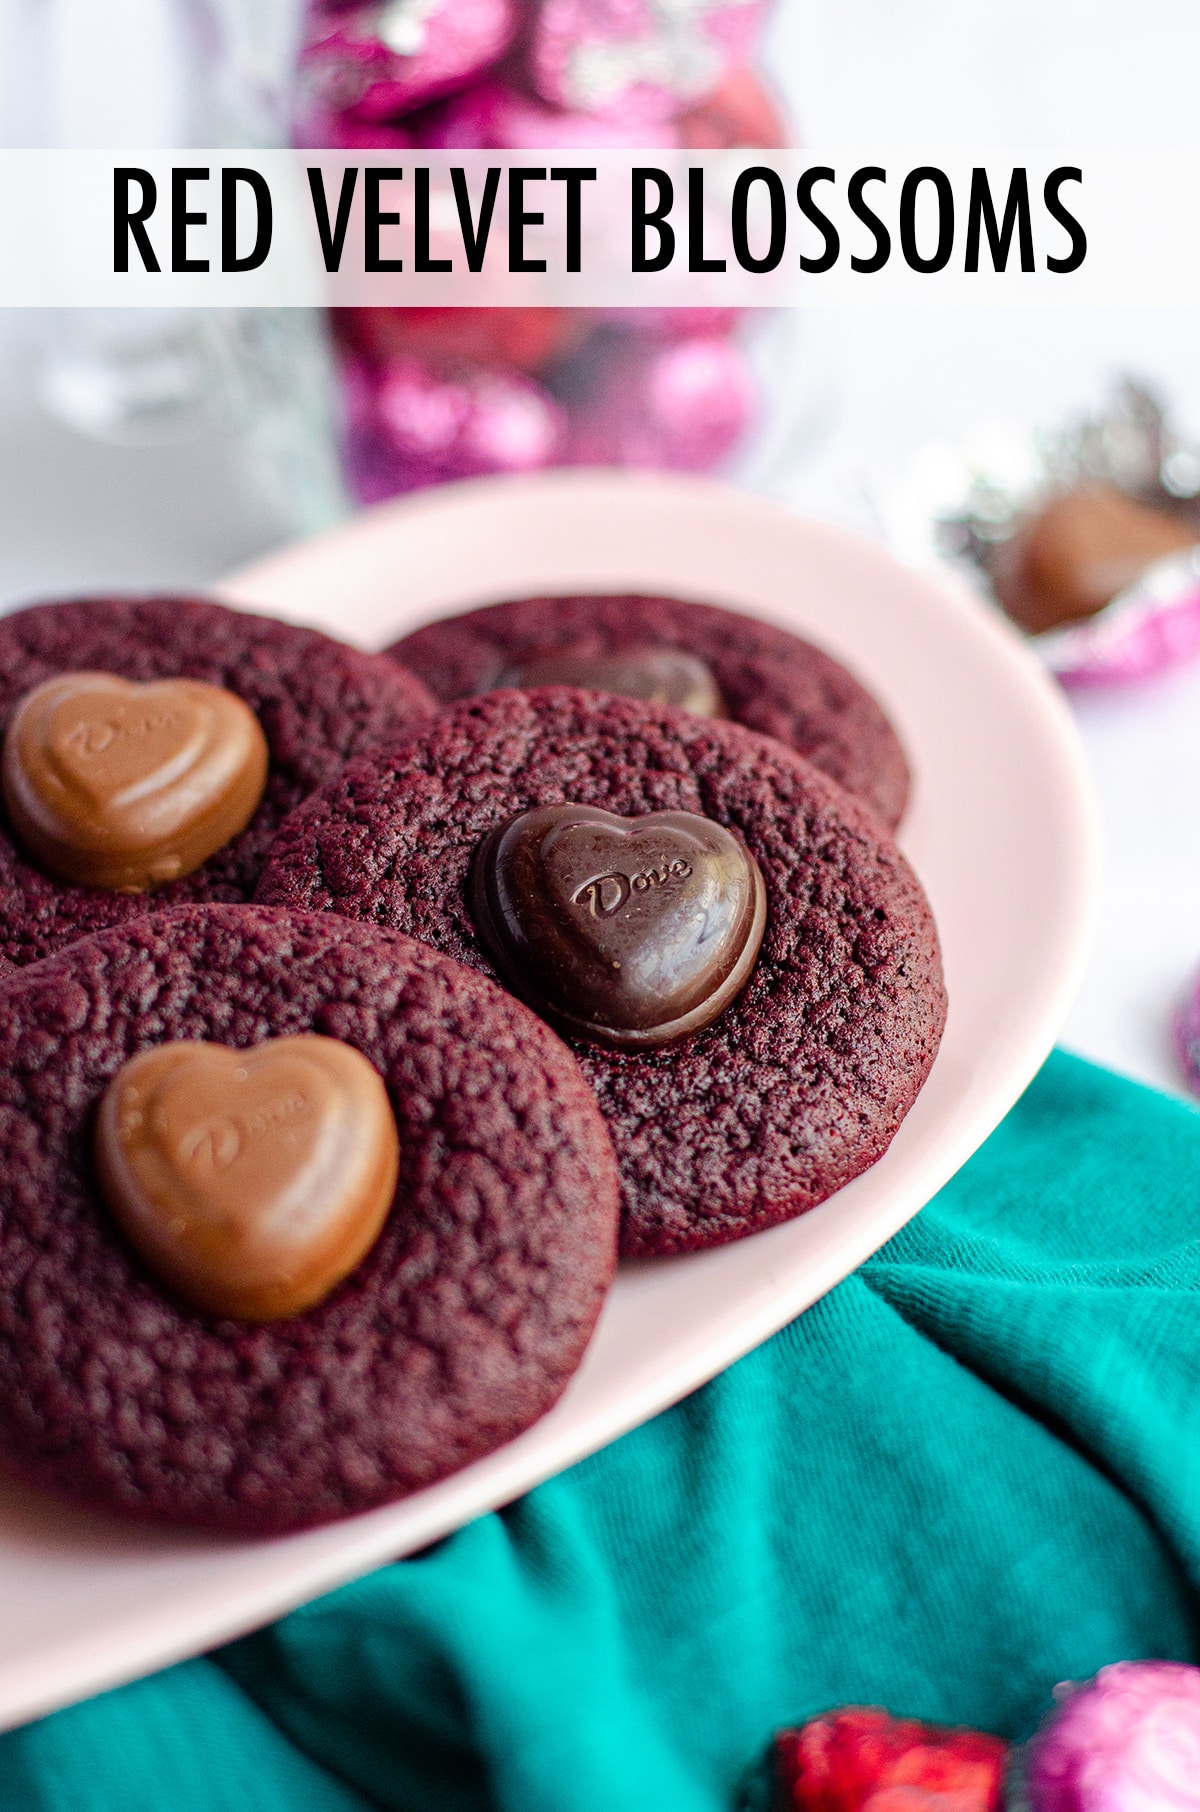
113, 784
250, 1181
631, 932
1080, 552
664, 676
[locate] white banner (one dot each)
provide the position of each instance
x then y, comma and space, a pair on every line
604, 229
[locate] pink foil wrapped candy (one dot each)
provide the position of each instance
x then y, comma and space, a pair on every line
1128, 1741
1152, 626
382, 59
1187, 1035
682, 406
414, 424
492, 115
602, 56
1087, 536
435, 393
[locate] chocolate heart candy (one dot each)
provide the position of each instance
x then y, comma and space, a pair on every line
250, 1181
631, 932
113, 784
664, 676
1080, 552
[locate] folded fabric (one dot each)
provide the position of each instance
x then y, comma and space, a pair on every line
972, 1471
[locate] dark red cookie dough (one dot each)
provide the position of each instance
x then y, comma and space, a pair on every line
317, 700
460, 1327
770, 680
802, 1082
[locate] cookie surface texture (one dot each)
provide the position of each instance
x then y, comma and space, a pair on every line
318, 703
769, 679
802, 1081
459, 1328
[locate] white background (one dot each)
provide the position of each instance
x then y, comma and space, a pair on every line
867, 389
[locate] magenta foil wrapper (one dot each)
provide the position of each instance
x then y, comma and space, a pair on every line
429, 398
379, 61
683, 406
412, 424
1127, 1741
1187, 1035
1147, 629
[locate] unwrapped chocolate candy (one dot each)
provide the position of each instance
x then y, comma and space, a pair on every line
251, 1181
1079, 552
628, 932
111, 783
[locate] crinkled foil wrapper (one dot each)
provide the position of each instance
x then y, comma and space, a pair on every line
974, 498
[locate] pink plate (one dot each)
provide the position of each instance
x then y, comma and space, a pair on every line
1000, 830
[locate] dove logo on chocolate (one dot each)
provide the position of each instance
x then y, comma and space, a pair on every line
630, 932
250, 1181
109, 783
216, 1143
607, 894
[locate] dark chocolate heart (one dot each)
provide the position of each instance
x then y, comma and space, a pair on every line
631, 932
664, 676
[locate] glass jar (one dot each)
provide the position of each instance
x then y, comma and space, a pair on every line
433, 394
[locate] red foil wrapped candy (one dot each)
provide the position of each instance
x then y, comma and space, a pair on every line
528, 339
859, 1759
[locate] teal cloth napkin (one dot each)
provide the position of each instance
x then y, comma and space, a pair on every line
971, 1471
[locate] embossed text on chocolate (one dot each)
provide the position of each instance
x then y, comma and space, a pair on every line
93, 736
219, 1140
606, 894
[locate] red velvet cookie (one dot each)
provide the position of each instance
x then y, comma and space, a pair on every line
458, 1329
317, 701
769, 680
799, 1084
